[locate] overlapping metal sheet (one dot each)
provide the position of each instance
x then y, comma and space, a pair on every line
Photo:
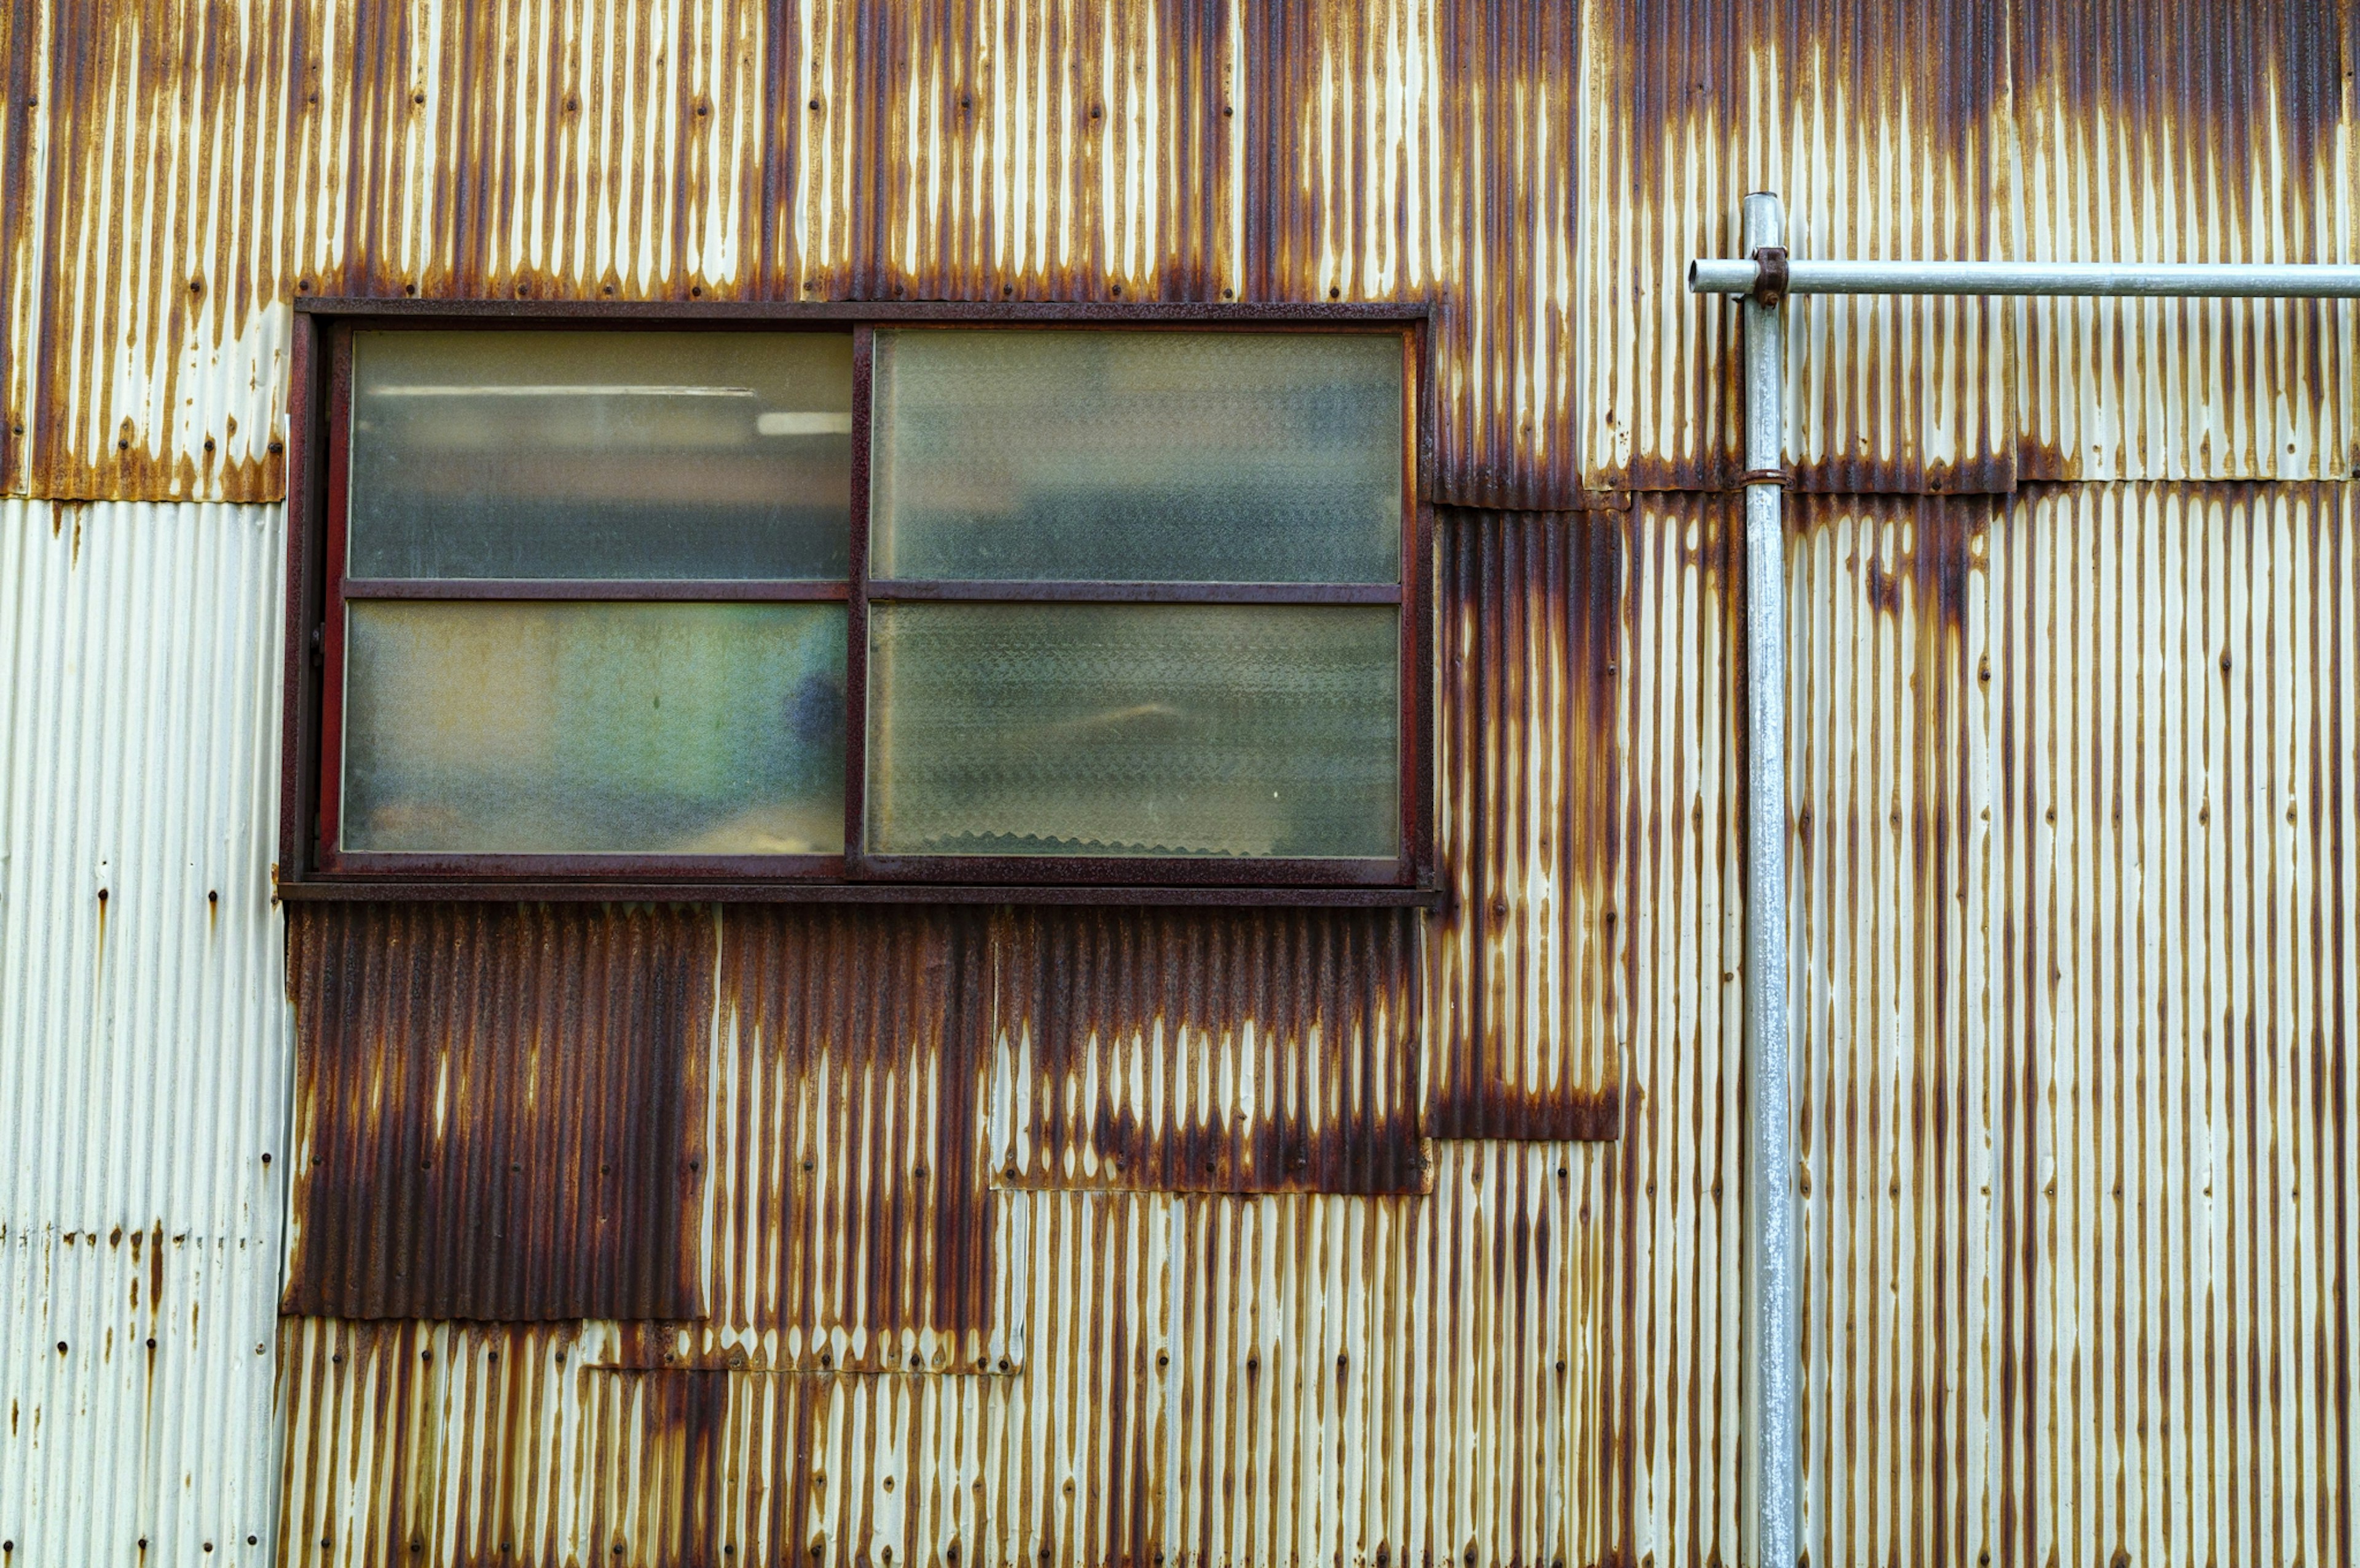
1524, 965
850, 1224
498, 1111
2179, 130
187, 169
1283, 1378
142, 1031
1191, 1051
2073, 795
1886, 129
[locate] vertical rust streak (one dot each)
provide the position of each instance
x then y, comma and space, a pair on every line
453, 1175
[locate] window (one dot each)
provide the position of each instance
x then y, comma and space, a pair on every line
916, 601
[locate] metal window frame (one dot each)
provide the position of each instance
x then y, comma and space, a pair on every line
311, 866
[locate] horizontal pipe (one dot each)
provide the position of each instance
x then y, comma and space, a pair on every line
2204, 280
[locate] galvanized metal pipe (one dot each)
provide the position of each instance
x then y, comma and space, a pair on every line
2194, 281
1773, 1355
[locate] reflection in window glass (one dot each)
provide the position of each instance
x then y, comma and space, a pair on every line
1134, 730
1146, 456
554, 728
600, 454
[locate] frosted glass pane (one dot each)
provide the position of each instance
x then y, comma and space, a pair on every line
1147, 456
600, 454
1166, 729
549, 728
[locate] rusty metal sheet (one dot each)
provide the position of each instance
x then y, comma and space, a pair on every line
2072, 809
2168, 945
1297, 1377
1669, 1483
1157, 149
497, 1110
1887, 128
850, 1224
1206, 1049
2181, 130
1402, 150
1525, 963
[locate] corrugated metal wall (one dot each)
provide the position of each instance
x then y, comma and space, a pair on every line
144, 1038
1211, 1238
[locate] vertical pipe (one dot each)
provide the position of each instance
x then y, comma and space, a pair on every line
1773, 1468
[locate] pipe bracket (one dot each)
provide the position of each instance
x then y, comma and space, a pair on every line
1770, 275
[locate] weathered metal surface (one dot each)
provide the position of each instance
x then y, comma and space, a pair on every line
2072, 815
1886, 129
2186, 131
498, 1110
142, 1031
2073, 797
1524, 962
1254, 1050
1669, 1484
1280, 1379
1539, 172
2098, 130
1157, 149
850, 1225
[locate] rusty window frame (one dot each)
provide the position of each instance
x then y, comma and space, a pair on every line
318, 409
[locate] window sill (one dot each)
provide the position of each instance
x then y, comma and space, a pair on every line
524, 891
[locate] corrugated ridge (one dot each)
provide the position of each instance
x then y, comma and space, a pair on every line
1522, 1033
1211, 1379
850, 1224
497, 1110
1886, 129
1405, 152
1670, 1486
1207, 1051
2184, 873
2186, 131
143, 1079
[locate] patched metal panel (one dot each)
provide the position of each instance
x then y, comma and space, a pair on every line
1523, 1029
498, 1110
142, 1031
2184, 131
2072, 809
1280, 1379
1251, 1051
850, 1224
1670, 1486
1886, 129
196, 168
2179, 883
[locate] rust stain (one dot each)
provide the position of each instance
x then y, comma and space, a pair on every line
1134, 152
1842, 108
1524, 1026
1257, 1051
498, 1108
849, 1143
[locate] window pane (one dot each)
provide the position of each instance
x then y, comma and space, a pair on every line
547, 728
1166, 729
600, 454
1138, 456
